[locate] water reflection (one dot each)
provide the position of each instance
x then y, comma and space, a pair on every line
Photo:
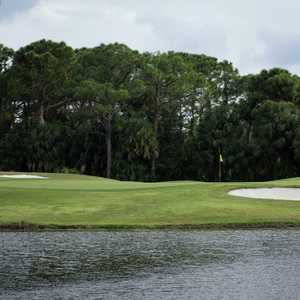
150, 265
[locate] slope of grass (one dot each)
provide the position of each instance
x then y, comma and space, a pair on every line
91, 202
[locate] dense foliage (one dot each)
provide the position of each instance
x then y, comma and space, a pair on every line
115, 112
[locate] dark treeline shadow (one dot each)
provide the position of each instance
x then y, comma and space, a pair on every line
114, 112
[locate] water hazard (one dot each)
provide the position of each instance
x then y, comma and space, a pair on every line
258, 264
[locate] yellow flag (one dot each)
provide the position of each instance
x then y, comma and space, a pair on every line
221, 158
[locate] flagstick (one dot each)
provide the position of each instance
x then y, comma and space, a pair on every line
220, 170
220, 165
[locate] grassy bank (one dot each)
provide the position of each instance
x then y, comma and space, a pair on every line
73, 201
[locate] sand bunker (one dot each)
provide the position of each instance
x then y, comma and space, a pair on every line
23, 176
269, 193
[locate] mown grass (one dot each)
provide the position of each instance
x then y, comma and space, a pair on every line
74, 201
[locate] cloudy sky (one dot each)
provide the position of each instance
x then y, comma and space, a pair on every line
253, 34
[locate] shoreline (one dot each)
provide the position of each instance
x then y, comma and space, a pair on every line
24, 227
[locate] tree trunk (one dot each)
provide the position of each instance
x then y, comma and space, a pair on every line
108, 147
155, 153
250, 132
42, 115
153, 167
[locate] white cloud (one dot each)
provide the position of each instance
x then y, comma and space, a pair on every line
253, 34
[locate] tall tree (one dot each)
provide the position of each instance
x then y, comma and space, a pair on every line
42, 73
6, 107
106, 73
164, 76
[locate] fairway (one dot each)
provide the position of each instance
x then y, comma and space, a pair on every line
75, 201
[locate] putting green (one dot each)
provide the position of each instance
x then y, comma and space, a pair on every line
85, 201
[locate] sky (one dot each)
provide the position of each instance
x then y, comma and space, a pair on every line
253, 34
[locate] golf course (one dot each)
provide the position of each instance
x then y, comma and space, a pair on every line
61, 201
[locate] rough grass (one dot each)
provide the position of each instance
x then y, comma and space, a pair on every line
74, 201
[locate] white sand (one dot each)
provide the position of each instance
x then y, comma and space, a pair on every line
23, 176
268, 193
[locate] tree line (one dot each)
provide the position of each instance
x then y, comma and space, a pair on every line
115, 112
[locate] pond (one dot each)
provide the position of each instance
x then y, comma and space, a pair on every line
241, 264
